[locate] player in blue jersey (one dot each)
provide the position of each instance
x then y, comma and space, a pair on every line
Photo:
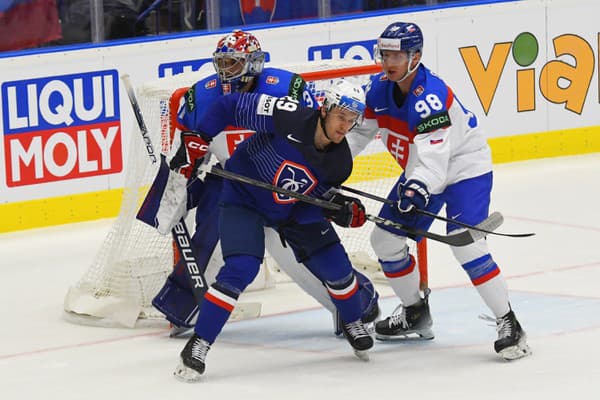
239, 63
297, 148
446, 160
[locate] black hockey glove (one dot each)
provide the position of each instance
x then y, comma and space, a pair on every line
189, 155
352, 213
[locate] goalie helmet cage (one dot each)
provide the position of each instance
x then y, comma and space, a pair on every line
133, 261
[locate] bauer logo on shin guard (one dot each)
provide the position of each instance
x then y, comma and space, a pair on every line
188, 256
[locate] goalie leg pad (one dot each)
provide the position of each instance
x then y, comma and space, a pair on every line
177, 302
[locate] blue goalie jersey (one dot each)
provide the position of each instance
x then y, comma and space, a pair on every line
198, 99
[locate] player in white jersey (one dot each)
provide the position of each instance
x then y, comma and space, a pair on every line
302, 150
446, 160
239, 63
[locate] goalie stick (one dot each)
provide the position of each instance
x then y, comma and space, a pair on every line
181, 235
457, 239
486, 226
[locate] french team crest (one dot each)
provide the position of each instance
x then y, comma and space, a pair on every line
294, 177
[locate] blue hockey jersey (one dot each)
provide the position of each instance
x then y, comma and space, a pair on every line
198, 99
282, 153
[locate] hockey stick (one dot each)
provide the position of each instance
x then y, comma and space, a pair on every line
458, 239
181, 235
487, 226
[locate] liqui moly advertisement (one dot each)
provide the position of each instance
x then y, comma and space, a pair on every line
60, 128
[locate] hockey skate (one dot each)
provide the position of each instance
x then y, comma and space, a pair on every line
358, 337
512, 341
405, 321
369, 320
192, 362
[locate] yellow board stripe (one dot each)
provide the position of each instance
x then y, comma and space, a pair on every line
105, 204
60, 210
565, 142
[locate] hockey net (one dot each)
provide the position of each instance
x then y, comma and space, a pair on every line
134, 260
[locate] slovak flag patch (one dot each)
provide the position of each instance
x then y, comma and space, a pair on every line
272, 80
436, 141
294, 177
211, 84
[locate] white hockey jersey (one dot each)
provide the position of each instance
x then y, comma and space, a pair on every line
432, 136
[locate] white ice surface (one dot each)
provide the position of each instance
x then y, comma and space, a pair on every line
290, 353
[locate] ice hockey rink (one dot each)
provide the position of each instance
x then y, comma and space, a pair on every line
291, 353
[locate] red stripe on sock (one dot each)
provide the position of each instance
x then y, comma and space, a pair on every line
345, 295
486, 277
402, 272
218, 302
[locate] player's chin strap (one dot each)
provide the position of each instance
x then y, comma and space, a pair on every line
322, 121
409, 70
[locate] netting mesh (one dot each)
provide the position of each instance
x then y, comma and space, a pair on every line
134, 260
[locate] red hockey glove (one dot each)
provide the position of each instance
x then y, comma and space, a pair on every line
350, 215
189, 155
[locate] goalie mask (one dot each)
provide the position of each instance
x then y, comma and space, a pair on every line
237, 59
400, 36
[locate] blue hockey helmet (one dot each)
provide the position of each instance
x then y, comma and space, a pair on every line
401, 36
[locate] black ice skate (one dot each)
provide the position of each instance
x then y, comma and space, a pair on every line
356, 334
192, 361
405, 321
368, 319
512, 341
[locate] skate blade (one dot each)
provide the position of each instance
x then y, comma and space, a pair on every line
180, 332
186, 374
363, 355
425, 334
511, 353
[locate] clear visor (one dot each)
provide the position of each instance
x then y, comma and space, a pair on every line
352, 110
